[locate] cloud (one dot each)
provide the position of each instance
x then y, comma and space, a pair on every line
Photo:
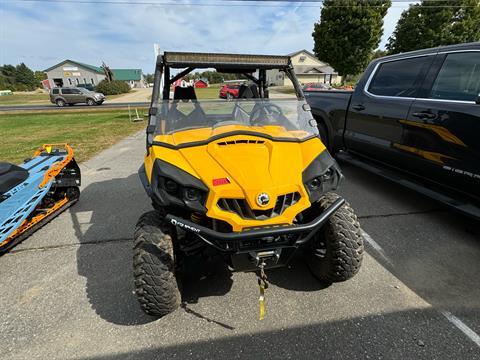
122, 35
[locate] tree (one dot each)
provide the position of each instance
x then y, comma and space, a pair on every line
7, 73
113, 87
149, 78
436, 23
378, 54
213, 77
40, 76
348, 32
3, 83
24, 78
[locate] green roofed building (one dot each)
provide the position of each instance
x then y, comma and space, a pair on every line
74, 73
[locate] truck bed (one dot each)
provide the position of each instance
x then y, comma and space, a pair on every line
331, 106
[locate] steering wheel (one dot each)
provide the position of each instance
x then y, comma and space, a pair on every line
273, 109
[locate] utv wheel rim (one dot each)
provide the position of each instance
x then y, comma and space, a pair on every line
320, 250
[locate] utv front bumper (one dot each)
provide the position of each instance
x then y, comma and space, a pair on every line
280, 241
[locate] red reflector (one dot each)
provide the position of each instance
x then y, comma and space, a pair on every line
221, 181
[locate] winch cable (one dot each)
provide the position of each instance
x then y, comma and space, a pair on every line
263, 285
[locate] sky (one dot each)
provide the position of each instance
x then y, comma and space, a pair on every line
43, 33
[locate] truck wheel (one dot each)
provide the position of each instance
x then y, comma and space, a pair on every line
336, 251
60, 103
154, 267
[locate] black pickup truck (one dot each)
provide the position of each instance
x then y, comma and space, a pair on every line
417, 113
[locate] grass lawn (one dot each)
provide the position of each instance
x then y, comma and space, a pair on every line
210, 92
24, 99
88, 132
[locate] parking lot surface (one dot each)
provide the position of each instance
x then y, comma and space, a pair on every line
67, 291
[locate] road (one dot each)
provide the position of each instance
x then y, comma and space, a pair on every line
137, 98
135, 95
67, 291
109, 105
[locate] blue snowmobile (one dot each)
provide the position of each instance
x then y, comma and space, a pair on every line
33, 193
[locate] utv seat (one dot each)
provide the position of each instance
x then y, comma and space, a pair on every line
248, 92
180, 120
10, 176
245, 92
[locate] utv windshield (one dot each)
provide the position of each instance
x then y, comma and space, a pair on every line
201, 119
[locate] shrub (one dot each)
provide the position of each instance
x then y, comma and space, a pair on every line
112, 88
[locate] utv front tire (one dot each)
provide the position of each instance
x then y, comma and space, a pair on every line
336, 251
154, 267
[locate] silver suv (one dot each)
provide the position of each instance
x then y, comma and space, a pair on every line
75, 95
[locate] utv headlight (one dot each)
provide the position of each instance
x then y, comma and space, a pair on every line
321, 176
315, 184
172, 186
191, 194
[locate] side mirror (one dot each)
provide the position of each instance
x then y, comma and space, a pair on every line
478, 100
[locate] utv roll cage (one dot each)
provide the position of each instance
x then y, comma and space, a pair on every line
243, 64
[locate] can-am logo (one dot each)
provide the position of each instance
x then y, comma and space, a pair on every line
184, 226
263, 199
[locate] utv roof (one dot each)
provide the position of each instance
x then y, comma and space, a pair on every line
223, 61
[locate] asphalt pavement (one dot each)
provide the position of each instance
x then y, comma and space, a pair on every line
75, 107
67, 291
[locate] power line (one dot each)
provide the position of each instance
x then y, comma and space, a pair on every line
224, 3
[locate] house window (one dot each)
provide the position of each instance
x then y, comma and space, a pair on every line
77, 81
70, 81
302, 58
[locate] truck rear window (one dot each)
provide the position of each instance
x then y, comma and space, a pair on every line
459, 78
397, 78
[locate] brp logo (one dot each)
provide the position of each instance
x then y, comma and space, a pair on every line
263, 199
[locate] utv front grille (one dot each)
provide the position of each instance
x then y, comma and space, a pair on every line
242, 209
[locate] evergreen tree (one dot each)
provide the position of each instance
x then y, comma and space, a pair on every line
7, 73
24, 78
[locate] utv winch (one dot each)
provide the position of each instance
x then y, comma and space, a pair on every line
248, 178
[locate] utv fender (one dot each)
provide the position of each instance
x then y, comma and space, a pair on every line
142, 174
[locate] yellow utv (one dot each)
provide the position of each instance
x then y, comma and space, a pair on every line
248, 178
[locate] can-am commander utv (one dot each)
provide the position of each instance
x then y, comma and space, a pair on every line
248, 178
